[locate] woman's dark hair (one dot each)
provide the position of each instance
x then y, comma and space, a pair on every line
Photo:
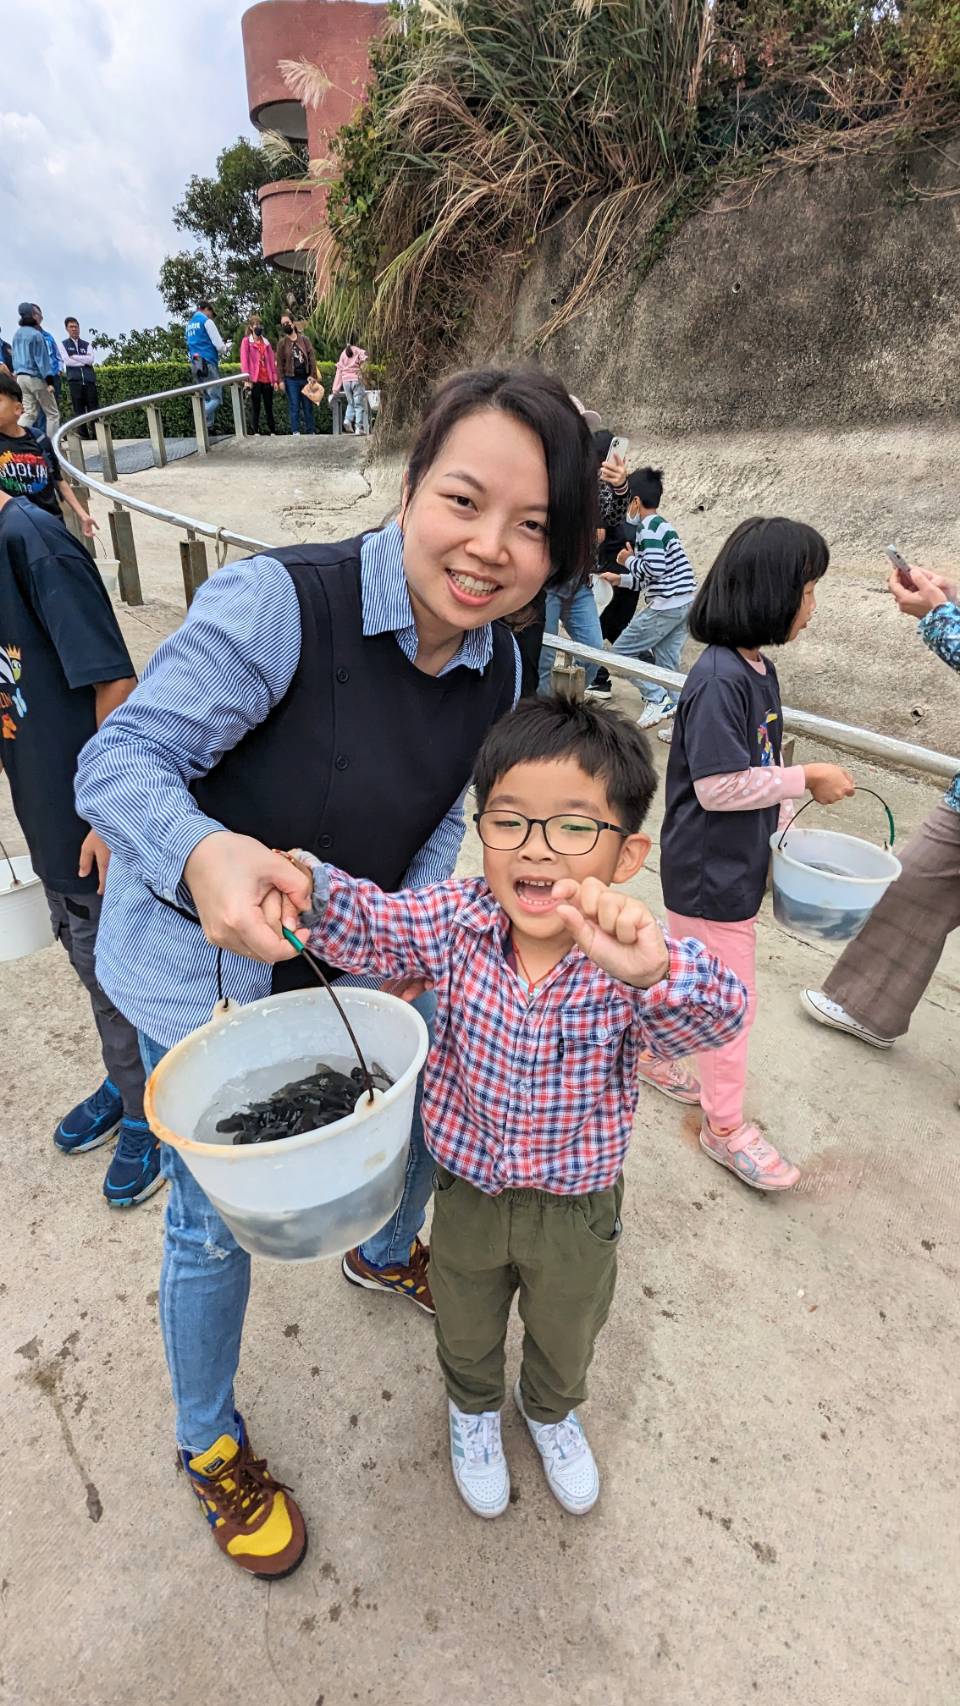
540, 402
607, 746
602, 440
647, 485
755, 588
9, 387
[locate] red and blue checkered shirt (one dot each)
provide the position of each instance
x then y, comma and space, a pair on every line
523, 1091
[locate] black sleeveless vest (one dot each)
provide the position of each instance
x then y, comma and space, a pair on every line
364, 754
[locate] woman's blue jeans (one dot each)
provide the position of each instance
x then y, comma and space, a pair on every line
298, 404
357, 413
581, 618
205, 1277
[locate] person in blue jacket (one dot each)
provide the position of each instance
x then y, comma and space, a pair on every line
204, 349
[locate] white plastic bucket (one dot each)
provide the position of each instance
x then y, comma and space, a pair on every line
24, 914
825, 885
299, 1197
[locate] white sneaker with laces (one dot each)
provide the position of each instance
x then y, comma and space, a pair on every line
655, 711
827, 1012
568, 1463
476, 1458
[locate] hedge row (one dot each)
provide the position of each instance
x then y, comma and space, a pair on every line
115, 383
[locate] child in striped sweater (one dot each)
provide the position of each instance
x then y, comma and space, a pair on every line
659, 568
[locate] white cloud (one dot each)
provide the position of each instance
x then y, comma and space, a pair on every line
108, 107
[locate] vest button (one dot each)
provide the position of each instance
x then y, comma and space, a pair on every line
326, 841
341, 763
343, 675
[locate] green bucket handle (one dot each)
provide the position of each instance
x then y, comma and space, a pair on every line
886, 844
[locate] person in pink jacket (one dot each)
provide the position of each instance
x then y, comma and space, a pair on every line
260, 366
347, 377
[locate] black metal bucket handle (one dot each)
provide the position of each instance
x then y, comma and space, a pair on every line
886, 844
16, 880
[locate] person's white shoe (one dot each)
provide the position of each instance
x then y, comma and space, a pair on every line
568, 1463
655, 711
476, 1458
827, 1012
665, 734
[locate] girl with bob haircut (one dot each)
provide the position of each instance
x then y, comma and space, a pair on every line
332, 697
726, 787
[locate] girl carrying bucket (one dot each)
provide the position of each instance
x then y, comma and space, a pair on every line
726, 784
332, 697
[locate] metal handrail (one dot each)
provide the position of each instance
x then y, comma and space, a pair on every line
847, 736
125, 500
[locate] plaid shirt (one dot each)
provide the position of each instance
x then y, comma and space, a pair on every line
533, 1093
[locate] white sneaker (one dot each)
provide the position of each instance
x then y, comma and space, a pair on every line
655, 711
666, 734
476, 1458
827, 1012
568, 1463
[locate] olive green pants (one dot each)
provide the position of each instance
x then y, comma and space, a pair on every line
559, 1254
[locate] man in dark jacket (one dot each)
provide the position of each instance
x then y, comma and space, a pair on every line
81, 375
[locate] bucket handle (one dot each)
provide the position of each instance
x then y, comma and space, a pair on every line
16, 879
886, 844
315, 965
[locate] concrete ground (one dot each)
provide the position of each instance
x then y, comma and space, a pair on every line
773, 1403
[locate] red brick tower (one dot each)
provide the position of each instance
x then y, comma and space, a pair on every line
335, 35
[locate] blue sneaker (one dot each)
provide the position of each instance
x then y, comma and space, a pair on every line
134, 1173
91, 1122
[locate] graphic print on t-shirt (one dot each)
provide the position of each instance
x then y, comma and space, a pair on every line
11, 698
27, 470
764, 743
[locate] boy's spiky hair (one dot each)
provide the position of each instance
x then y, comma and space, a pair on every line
605, 745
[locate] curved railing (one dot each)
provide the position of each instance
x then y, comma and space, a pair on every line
847, 736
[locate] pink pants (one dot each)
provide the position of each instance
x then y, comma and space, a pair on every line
723, 1071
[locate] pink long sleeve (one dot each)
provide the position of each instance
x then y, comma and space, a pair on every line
750, 790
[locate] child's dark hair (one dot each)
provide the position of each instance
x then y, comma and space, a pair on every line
9, 387
605, 745
647, 485
541, 403
755, 588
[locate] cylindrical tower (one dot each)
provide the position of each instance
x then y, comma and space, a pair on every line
334, 35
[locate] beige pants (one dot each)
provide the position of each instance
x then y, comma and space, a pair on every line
38, 398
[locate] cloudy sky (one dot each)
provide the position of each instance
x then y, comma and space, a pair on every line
106, 108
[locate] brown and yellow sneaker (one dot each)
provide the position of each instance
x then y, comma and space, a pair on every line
253, 1518
407, 1279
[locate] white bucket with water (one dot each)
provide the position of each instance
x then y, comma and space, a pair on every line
324, 1191
825, 884
24, 914
109, 569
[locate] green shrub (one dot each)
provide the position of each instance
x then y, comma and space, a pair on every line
116, 383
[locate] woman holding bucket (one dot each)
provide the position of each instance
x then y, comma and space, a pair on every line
331, 697
726, 784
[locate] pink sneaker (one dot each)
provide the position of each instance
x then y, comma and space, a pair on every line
748, 1154
671, 1079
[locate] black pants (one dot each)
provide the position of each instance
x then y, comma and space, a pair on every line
83, 397
261, 394
529, 644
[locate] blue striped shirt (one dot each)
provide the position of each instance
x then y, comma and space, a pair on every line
208, 685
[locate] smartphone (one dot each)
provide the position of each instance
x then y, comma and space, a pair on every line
619, 447
902, 567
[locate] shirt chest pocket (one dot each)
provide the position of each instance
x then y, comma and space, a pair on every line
589, 1045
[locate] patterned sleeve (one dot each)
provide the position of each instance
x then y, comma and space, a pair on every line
613, 504
358, 927
699, 1004
940, 630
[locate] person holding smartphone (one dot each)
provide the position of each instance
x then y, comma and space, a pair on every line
880, 977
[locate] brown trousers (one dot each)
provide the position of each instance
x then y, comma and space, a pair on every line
881, 976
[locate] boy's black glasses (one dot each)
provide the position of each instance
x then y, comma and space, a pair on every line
567, 833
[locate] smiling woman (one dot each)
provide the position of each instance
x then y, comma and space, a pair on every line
331, 697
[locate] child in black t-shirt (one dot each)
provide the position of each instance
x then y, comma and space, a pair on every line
726, 784
28, 463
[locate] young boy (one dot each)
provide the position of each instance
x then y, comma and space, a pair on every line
548, 986
658, 568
